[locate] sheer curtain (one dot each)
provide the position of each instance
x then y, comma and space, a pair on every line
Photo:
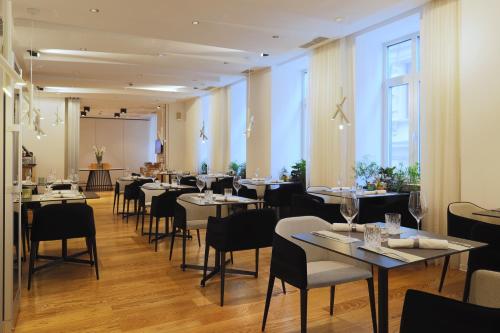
440, 110
219, 133
331, 152
72, 128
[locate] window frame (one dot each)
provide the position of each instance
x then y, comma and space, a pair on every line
412, 79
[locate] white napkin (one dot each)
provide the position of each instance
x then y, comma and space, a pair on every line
369, 192
341, 188
334, 236
418, 243
233, 199
70, 195
381, 191
345, 227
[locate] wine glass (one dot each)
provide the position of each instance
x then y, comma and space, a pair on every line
417, 205
178, 177
349, 208
237, 184
200, 183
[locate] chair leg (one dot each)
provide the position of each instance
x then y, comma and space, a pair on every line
283, 286
256, 263
123, 208
303, 310
467, 285
332, 297
128, 209
371, 293
198, 233
150, 226
94, 247
118, 204
205, 264
222, 276
232, 259
32, 262
137, 218
156, 238
88, 242
268, 300
142, 223
443, 273
172, 244
114, 203
184, 236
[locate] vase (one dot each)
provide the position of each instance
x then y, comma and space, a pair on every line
99, 160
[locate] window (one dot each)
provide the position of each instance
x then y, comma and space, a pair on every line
401, 96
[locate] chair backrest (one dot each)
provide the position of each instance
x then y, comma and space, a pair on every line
58, 187
461, 219
189, 180
423, 312
487, 257
311, 205
219, 186
163, 205
63, 221
132, 190
247, 192
195, 212
485, 288
244, 230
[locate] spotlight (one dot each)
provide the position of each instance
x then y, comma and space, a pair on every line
117, 115
83, 114
264, 54
86, 108
33, 53
94, 10
123, 110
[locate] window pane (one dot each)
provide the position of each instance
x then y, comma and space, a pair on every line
399, 129
399, 59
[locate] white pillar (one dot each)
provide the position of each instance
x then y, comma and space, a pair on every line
72, 135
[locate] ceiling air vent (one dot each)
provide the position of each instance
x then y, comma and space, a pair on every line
316, 41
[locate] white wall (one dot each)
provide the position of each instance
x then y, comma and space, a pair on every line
238, 109
286, 118
49, 150
128, 143
480, 102
369, 90
259, 143
191, 134
176, 136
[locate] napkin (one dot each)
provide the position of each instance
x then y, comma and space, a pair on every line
233, 199
418, 243
345, 227
342, 188
381, 191
369, 192
70, 195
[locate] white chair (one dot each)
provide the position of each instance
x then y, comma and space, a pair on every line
485, 288
188, 217
305, 266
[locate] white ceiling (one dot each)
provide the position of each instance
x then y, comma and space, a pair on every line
153, 43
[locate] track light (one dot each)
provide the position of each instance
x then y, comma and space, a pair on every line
86, 109
83, 114
117, 114
123, 110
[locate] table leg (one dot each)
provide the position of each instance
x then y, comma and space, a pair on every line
383, 300
218, 211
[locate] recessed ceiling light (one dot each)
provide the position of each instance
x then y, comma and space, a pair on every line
94, 10
264, 54
225, 63
161, 54
276, 36
195, 88
158, 107
195, 22
339, 19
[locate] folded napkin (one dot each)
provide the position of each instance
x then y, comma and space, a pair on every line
345, 227
418, 243
369, 192
381, 191
341, 188
334, 236
233, 199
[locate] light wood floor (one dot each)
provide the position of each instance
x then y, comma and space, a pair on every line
141, 291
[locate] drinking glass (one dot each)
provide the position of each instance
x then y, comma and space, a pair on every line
178, 177
28, 176
372, 235
417, 205
257, 172
349, 207
237, 184
200, 183
228, 192
393, 222
209, 195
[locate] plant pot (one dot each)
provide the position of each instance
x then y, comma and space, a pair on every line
410, 188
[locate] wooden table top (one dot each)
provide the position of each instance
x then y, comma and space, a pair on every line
200, 201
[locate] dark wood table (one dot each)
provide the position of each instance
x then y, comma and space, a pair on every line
99, 179
373, 207
384, 263
195, 199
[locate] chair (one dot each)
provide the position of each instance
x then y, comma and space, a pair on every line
251, 229
485, 288
131, 193
460, 224
306, 266
423, 312
59, 187
483, 258
62, 222
189, 217
189, 180
116, 197
311, 205
246, 192
219, 186
281, 198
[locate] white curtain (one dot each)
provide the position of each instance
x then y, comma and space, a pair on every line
72, 129
440, 110
331, 152
219, 132
192, 134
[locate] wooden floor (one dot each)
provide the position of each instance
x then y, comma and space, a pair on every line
141, 291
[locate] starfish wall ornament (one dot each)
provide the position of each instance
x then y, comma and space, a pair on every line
340, 111
203, 134
249, 128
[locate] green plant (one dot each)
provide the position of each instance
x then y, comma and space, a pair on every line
242, 170
298, 173
234, 167
366, 171
414, 174
204, 168
284, 174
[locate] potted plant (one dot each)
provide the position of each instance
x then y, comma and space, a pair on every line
233, 168
284, 174
413, 177
367, 172
204, 168
298, 173
99, 153
242, 170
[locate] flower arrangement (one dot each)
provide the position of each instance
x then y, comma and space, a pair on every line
397, 178
99, 152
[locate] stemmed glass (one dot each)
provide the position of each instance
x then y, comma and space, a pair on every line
237, 184
200, 183
417, 205
349, 208
178, 177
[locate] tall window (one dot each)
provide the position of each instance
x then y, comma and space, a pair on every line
401, 90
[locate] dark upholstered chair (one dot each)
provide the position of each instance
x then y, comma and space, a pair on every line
423, 312
311, 205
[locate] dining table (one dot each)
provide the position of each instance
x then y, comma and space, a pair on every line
99, 179
385, 258
260, 184
219, 201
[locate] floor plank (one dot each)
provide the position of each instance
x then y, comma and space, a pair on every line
141, 291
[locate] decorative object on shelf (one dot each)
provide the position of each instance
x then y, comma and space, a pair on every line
59, 120
249, 129
284, 174
204, 168
250, 117
233, 168
203, 134
340, 111
99, 152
